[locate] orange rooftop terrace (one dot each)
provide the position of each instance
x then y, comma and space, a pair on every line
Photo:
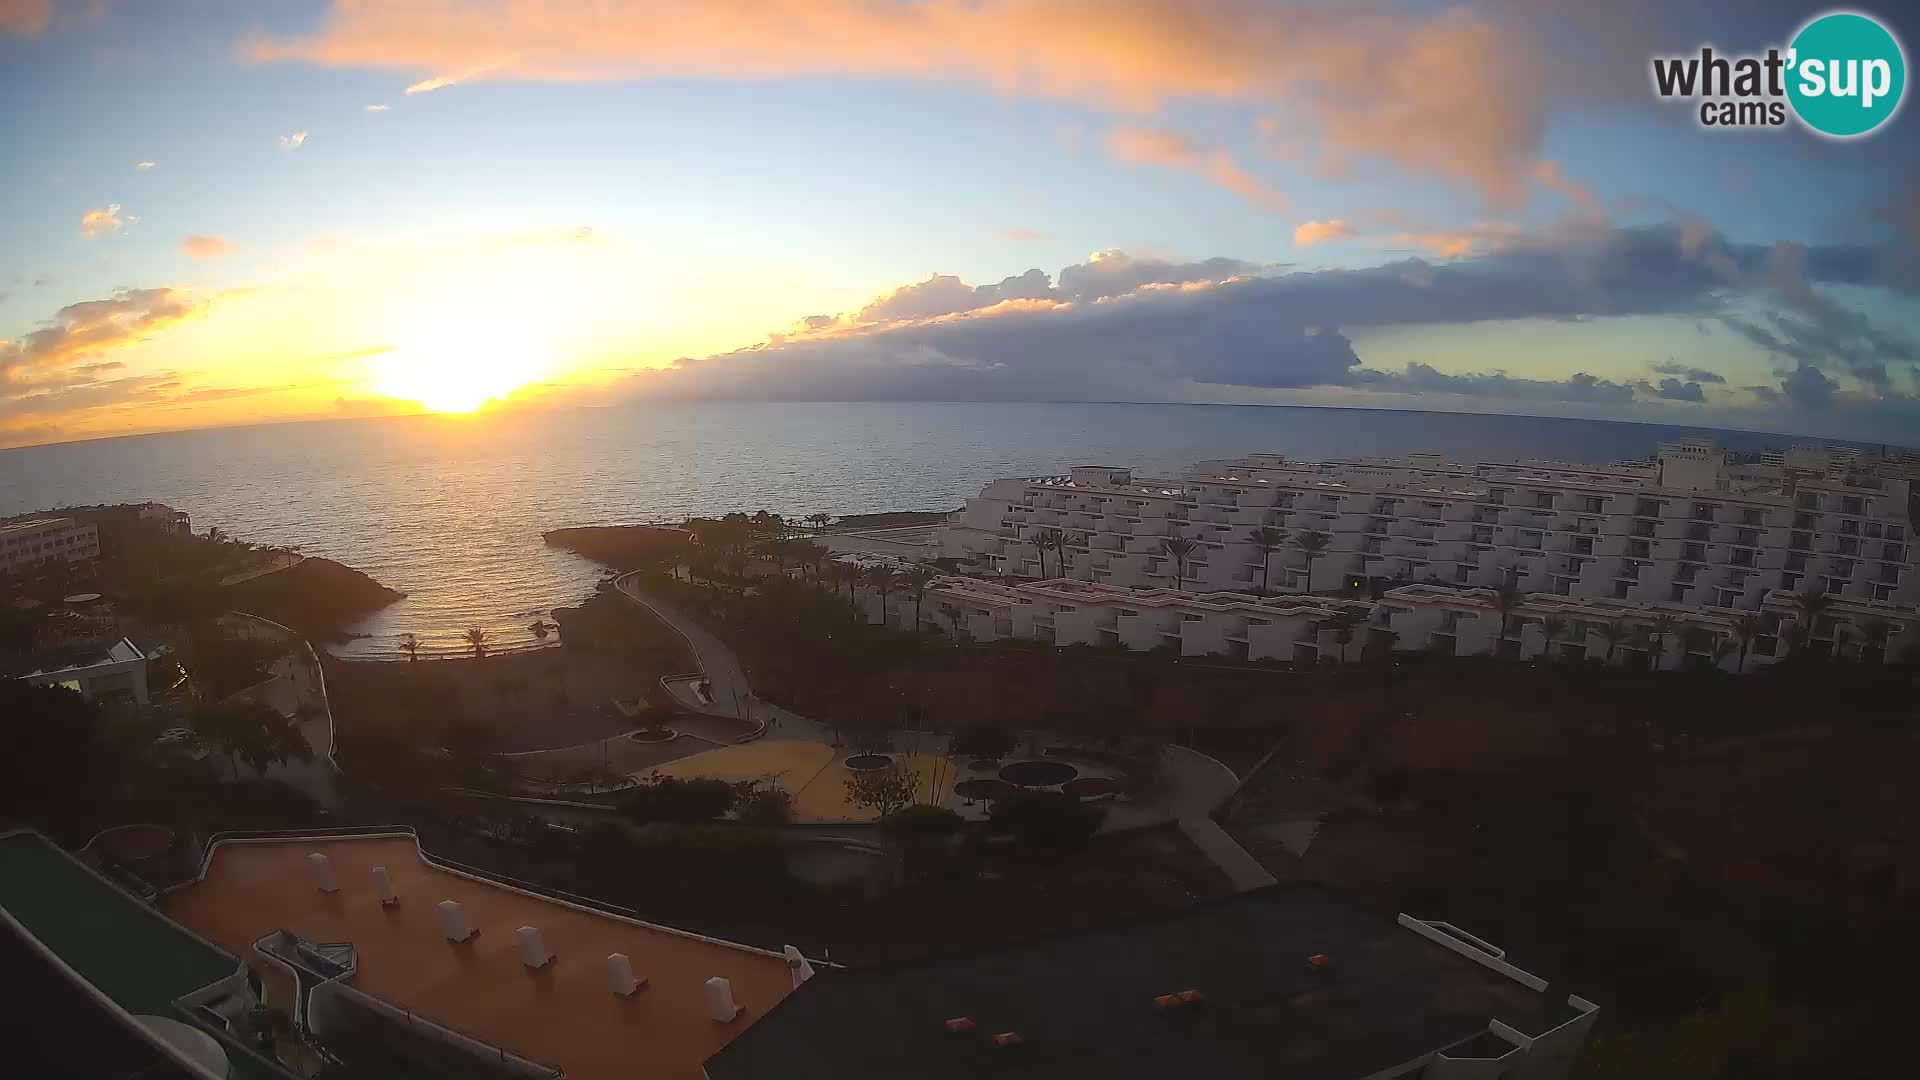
563, 1013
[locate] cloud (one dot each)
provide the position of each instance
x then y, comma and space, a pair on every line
1456, 94
1691, 374
205, 246
1807, 388
293, 140
56, 370
1019, 235
1320, 232
25, 18
142, 166
1172, 150
90, 328
1675, 390
1548, 175
101, 220
1117, 327
1425, 379
375, 108
1479, 239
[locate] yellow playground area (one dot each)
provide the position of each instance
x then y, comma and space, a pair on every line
814, 773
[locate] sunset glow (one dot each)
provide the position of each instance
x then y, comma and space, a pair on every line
455, 364
343, 212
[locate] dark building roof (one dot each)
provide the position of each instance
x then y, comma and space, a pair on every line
55, 1029
1084, 1006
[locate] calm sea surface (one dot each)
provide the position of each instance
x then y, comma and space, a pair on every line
450, 510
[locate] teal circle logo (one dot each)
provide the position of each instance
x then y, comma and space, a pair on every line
1846, 74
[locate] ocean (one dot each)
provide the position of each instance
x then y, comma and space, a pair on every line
450, 509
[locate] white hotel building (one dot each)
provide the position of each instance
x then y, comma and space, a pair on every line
1432, 618
27, 542
1691, 528
1693, 536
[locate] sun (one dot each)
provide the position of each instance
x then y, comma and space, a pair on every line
458, 362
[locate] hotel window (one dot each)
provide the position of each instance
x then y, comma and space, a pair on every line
1796, 561
1704, 511
1694, 552
1747, 537
1699, 532
1852, 504
1619, 590
1639, 549
1849, 528
1789, 581
1801, 540
1752, 516
1678, 593
1646, 508
1843, 568
1833, 585
1807, 502
1593, 504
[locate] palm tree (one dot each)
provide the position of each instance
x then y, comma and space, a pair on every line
1078, 539
1045, 540
819, 521
917, 581
1743, 630
954, 615
1312, 542
1873, 635
1553, 628
1267, 540
1613, 632
1177, 549
410, 645
1663, 624
1807, 606
884, 580
1506, 600
477, 638
850, 574
1345, 622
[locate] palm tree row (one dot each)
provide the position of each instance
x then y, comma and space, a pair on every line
1267, 540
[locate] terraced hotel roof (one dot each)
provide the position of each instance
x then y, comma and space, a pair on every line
563, 1014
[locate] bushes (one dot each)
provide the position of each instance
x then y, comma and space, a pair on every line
1046, 820
683, 802
766, 807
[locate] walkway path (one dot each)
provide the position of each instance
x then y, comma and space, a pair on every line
1242, 869
732, 695
296, 683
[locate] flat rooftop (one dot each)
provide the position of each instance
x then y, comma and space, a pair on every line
1083, 1003
120, 945
562, 1014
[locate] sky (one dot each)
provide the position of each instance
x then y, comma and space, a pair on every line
231, 212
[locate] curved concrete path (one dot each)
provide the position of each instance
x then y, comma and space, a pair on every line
732, 695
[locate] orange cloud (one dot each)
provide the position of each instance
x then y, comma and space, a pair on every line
1458, 243
101, 220
205, 246
87, 329
1172, 150
1548, 175
1320, 232
1022, 236
26, 18
1454, 93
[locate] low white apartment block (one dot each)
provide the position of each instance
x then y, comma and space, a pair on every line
28, 542
1453, 621
99, 671
1693, 527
